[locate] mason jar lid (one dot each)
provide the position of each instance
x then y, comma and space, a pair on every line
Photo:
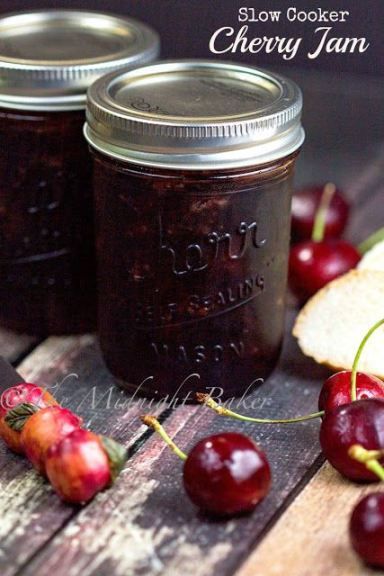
194, 114
49, 58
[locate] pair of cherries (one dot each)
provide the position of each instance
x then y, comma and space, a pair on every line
319, 217
355, 419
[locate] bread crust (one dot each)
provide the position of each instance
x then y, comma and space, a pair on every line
303, 318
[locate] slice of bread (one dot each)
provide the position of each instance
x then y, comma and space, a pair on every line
332, 324
373, 259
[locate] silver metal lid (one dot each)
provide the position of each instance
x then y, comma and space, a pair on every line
48, 59
194, 114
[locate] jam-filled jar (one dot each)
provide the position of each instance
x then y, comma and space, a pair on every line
193, 162
47, 61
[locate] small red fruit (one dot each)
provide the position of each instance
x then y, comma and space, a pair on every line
366, 529
11, 398
313, 264
306, 202
25, 392
82, 464
336, 390
226, 474
43, 429
357, 423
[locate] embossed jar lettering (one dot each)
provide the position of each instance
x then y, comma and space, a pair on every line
216, 245
198, 354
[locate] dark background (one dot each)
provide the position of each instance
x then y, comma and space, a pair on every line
186, 26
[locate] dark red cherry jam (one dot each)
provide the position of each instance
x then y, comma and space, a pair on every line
192, 259
47, 261
47, 268
192, 273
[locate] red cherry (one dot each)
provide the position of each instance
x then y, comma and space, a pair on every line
336, 390
360, 422
45, 428
13, 397
25, 392
226, 474
78, 466
305, 203
366, 529
313, 264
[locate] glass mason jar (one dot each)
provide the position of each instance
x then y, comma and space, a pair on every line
47, 61
193, 163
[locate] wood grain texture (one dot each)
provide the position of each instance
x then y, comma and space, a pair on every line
31, 513
146, 525
311, 538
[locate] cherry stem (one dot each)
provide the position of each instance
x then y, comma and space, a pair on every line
371, 241
153, 423
369, 458
222, 411
357, 357
321, 213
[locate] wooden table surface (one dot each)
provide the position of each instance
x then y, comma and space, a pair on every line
144, 525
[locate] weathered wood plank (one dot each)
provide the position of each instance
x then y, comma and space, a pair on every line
13, 346
312, 536
151, 527
31, 512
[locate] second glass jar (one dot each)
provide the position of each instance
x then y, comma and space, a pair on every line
47, 61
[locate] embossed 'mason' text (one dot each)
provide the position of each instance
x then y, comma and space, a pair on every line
198, 354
